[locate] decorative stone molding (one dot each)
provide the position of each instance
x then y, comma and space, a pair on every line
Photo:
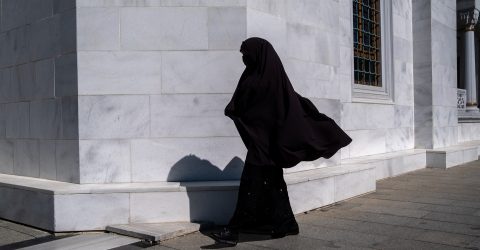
467, 19
461, 99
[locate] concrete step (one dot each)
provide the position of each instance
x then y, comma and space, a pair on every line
155, 232
90, 241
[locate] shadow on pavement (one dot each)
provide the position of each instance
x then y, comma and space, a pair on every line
32, 242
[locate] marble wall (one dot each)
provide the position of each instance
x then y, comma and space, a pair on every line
435, 61
134, 90
379, 126
38, 106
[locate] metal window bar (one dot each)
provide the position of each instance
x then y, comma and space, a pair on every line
366, 42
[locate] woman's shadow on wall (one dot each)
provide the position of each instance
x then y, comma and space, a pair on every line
212, 192
210, 207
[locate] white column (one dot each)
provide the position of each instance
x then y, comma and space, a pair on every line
468, 19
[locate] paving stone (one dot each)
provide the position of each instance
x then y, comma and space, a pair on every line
362, 226
155, 231
450, 239
451, 209
341, 236
391, 210
301, 242
412, 244
457, 218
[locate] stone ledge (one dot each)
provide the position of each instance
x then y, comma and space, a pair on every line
58, 206
392, 163
57, 187
447, 157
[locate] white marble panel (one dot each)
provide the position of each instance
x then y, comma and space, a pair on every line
367, 116
24, 79
44, 84
216, 72
444, 14
320, 193
346, 61
445, 116
402, 8
6, 156
27, 207
198, 115
323, 14
164, 28
66, 79
403, 116
399, 139
159, 207
44, 33
118, 72
308, 70
63, 5
14, 14
346, 34
270, 27
2, 118
69, 117
445, 136
45, 119
470, 155
68, 31
66, 160
47, 166
402, 26
115, 116
14, 46
213, 206
104, 161
403, 49
98, 29
273, 7
423, 136
443, 39
187, 159
445, 75
227, 27
316, 88
26, 158
403, 84
17, 120
157, 3
367, 142
354, 183
345, 83
39, 9
454, 158
80, 212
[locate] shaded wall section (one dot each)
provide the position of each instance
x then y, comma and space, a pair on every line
38, 87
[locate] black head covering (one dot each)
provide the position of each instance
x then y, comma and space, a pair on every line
277, 125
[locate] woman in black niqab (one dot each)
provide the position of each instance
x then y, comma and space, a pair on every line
280, 128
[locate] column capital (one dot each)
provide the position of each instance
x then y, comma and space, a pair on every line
467, 19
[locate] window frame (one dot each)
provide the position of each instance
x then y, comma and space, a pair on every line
383, 94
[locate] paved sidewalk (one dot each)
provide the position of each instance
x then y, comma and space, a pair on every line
424, 209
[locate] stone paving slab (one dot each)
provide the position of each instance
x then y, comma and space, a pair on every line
155, 231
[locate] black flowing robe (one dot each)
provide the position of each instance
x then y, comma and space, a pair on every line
277, 125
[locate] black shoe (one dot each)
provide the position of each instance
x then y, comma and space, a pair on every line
289, 227
226, 236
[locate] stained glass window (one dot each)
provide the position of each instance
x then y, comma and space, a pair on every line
366, 42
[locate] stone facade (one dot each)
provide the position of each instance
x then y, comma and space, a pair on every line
38, 87
128, 95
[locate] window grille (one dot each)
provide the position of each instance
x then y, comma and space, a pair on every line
367, 42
